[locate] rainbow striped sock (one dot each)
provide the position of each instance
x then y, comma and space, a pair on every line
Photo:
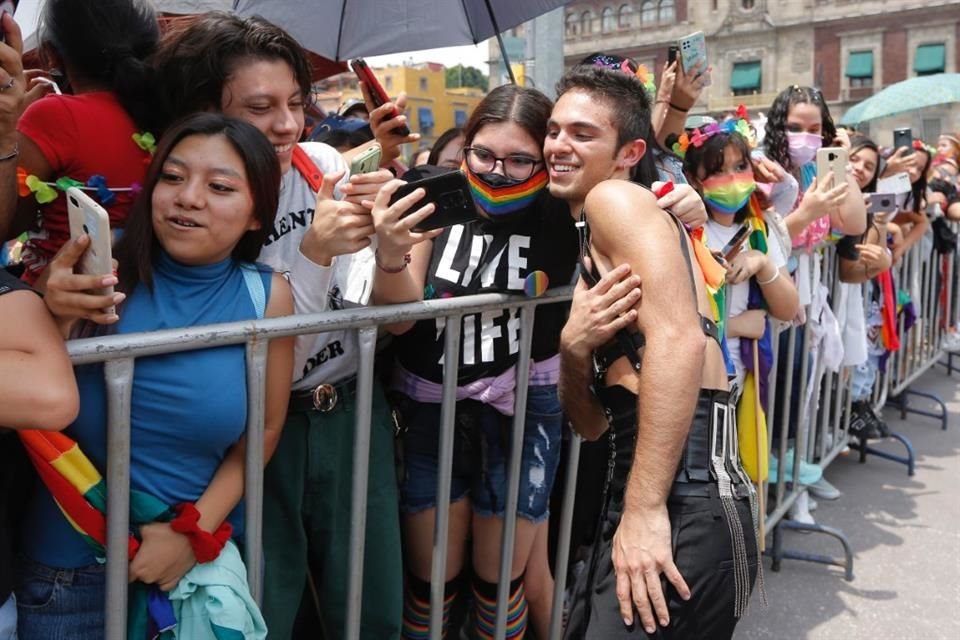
416, 607
485, 596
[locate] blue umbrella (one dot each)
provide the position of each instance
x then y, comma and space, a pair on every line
909, 95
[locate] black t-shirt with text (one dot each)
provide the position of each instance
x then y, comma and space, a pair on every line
494, 257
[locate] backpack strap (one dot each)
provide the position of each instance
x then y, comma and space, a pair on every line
254, 281
303, 163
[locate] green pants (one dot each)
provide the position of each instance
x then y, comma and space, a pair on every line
306, 523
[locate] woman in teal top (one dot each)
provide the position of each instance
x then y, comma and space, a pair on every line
186, 259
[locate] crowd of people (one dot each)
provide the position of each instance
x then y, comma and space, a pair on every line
685, 247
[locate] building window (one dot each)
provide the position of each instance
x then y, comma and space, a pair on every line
573, 24
423, 84
586, 23
388, 83
666, 11
745, 79
930, 59
860, 69
607, 20
648, 13
747, 4
459, 118
625, 16
425, 118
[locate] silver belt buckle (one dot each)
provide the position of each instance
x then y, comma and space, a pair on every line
325, 398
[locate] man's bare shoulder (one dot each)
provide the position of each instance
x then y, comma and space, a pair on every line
619, 209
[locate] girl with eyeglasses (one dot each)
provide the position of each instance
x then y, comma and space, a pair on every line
521, 240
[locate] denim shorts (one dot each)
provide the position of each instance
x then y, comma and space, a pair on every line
60, 603
481, 454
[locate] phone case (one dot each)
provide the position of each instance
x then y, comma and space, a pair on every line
86, 216
451, 195
377, 92
903, 138
366, 162
832, 159
693, 49
882, 203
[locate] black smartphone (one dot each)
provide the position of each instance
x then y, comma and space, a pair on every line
732, 248
672, 52
903, 138
449, 192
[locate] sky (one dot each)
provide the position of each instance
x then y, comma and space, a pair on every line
469, 56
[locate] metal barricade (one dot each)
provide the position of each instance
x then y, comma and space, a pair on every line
820, 417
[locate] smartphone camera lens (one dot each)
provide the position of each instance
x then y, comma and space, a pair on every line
85, 230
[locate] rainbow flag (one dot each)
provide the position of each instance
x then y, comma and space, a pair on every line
81, 494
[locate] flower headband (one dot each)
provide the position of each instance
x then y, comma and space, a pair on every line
920, 145
737, 124
627, 66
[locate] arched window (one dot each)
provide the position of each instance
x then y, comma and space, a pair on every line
607, 21
586, 23
667, 14
625, 16
573, 24
648, 13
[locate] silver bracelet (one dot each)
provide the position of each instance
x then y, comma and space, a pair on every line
13, 154
775, 276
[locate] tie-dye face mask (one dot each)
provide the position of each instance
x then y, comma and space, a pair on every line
728, 193
499, 195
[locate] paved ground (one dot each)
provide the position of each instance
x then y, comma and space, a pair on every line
905, 533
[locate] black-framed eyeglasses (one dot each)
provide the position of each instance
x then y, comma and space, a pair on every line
516, 166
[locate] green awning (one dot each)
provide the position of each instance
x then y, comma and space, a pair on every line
930, 58
745, 76
860, 64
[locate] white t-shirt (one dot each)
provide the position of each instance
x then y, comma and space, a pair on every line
332, 356
738, 294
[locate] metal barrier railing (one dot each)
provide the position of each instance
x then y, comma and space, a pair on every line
822, 418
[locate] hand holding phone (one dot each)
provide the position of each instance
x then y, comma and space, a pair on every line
882, 204
903, 138
450, 194
693, 51
732, 248
86, 216
832, 159
366, 161
377, 92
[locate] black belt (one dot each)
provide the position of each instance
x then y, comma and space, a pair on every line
324, 397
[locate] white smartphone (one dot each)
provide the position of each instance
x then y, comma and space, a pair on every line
86, 216
693, 49
832, 159
897, 183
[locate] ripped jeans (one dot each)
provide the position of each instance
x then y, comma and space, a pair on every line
481, 453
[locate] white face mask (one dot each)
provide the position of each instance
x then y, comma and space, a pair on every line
803, 146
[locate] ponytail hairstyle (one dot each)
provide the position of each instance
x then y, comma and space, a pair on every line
106, 43
775, 140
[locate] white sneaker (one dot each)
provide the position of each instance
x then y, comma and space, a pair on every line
824, 490
812, 505
800, 510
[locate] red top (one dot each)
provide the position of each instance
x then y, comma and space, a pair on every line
80, 136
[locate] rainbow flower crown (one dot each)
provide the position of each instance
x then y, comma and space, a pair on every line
737, 124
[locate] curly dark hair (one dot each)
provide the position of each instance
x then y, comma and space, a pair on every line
775, 140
